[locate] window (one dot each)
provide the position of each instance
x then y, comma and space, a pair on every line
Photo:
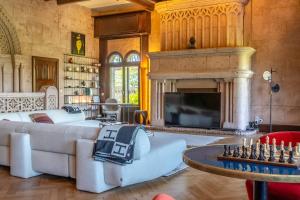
124, 77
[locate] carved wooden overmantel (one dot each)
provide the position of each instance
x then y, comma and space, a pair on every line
227, 70
214, 23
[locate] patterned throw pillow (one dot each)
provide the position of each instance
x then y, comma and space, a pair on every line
41, 118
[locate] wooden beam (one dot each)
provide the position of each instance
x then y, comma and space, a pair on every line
112, 10
60, 2
146, 4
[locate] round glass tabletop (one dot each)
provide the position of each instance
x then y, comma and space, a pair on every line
205, 159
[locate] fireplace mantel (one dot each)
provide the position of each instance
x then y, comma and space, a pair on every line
228, 68
202, 63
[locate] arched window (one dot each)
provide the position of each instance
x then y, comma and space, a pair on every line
124, 77
115, 58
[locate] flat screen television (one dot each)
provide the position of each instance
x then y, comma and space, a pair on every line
192, 110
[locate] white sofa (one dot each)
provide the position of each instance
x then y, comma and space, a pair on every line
65, 149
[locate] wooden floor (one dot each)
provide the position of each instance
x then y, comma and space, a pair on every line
190, 184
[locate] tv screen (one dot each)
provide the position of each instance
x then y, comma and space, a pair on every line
193, 110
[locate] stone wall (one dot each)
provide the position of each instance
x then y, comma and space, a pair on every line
273, 29
44, 29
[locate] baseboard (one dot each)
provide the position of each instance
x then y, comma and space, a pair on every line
278, 127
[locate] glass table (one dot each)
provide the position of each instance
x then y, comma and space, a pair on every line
205, 159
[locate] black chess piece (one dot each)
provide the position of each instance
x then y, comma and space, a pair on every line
225, 154
281, 157
261, 155
253, 152
235, 153
229, 151
244, 153
238, 151
271, 157
291, 158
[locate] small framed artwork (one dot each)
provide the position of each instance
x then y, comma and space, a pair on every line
77, 44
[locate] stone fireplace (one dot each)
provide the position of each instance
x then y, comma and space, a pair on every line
225, 70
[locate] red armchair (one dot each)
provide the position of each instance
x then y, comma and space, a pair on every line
279, 191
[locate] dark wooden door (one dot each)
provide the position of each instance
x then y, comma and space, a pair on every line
44, 72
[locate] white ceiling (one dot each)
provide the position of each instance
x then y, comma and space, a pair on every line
93, 4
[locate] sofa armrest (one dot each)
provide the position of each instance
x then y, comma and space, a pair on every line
164, 157
89, 173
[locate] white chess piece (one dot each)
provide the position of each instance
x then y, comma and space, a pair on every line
290, 146
267, 140
274, 145
282, 145
251, 142
244, 142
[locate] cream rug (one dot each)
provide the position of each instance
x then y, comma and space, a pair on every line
191, 140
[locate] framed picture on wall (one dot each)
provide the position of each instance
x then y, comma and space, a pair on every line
77, 43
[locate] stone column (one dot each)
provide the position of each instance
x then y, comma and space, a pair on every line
16, 79
21, 76
1, 78
241, 102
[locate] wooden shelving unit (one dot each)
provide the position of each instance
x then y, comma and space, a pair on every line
81, 83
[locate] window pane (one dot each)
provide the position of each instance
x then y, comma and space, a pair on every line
133, 57
115, 59
133, 85
116, 77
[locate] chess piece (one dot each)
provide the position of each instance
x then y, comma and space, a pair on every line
290, 148
238, 151
291, 158
282, 145
267, 143
261, 155
229, 151
235, 152
281, 157
265, 148
271, 156
253, 152
243, 152
297, 150
251, 142
225, 154
246, 152
274, 145
244, 142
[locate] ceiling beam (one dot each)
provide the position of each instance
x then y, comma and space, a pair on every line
146, 4
60, 2
112, 10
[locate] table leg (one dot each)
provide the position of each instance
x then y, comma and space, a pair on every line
260, 190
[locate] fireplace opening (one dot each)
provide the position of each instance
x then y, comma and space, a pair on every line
193, 110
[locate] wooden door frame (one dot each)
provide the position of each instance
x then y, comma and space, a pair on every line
34, 58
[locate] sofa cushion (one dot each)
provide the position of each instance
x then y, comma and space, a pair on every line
61, 116
10, 116
41, 118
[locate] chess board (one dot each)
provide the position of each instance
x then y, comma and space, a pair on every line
264, 162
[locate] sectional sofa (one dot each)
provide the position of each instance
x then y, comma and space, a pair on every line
65, 148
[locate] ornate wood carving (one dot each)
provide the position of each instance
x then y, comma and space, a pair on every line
25, 102
213, 23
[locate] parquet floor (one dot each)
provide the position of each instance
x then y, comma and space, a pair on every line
188, 185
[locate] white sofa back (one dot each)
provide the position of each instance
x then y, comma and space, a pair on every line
48, 137
57, 116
